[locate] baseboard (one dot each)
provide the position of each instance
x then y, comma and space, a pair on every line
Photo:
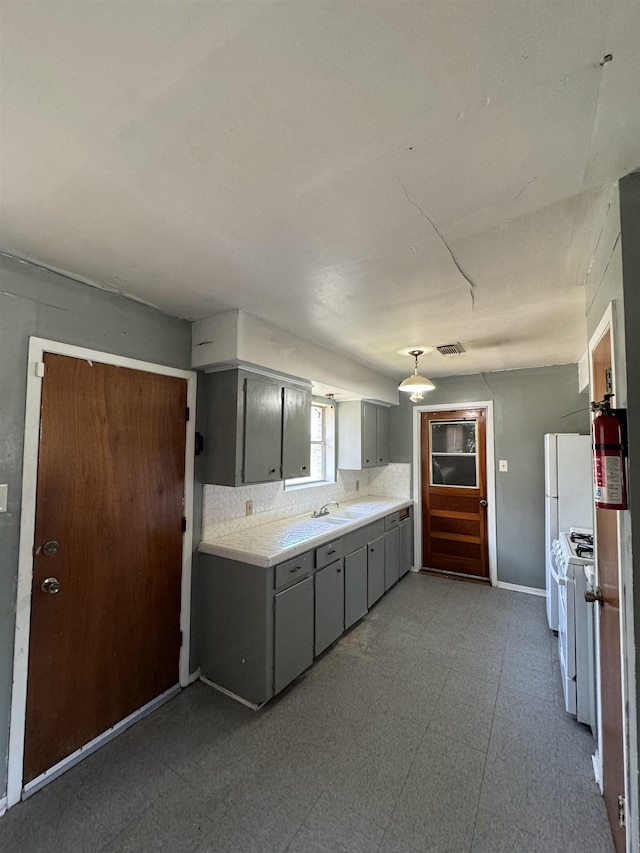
597, 770
3, 805
528, 590
86, 750
231, 695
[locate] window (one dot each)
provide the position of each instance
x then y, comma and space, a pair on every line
454, 461
322, 438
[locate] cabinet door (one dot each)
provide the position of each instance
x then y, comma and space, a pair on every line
369, 435
406, 546
293, 633
262, 431
355, 586
375, 570
382, 415
391, 558
329, 605
296, 443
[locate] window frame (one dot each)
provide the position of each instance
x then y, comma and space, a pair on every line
328, 443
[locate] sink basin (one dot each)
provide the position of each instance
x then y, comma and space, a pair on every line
348, 514
333, 519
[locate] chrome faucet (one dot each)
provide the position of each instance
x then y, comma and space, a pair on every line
318, 513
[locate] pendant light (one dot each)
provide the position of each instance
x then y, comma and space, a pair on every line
416, 385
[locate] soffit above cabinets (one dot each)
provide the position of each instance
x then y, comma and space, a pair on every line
364, 176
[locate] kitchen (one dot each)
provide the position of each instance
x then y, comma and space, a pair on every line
536, 398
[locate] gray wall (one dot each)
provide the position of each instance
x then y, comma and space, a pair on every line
40, 303
527, 404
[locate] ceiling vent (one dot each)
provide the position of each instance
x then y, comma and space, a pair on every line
450, 349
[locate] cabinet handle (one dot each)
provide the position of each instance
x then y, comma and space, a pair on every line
303, 467
329, 553
272, 470
339, 570
366, 460
294, 569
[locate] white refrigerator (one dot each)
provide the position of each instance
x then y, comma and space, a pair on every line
568, 500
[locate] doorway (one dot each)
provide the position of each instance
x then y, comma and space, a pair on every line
607, 537
453, 477
105, 551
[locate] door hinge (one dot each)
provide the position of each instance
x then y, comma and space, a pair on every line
199, 444
181, 639
184, 524
188, 413
40, 369
622, 816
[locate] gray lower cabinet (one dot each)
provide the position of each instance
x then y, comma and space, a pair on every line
406, 545
259, 628
375, 570
355, 586
293, 633
391, 558
329, 605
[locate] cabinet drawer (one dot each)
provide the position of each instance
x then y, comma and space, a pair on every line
293, 569
391, 521
329, 553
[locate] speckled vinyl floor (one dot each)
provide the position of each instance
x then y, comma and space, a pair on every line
436, 724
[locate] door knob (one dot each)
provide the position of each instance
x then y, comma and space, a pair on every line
50, 585
484, 503
592, 595
49, 548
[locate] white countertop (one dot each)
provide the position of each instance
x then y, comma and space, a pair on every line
268, 544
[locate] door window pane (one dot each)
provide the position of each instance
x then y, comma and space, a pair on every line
453, 453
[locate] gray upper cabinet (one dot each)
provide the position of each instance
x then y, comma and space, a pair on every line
262, 431
257, 428
363, 435
296, 447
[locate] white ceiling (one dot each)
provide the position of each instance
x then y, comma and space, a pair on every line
373, 176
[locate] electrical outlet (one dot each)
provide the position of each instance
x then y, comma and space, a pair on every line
249, 507
357, 485
503, 465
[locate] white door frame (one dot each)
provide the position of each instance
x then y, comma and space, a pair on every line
625, 591
490, 479
35, 371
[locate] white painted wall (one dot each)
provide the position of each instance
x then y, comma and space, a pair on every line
236, 337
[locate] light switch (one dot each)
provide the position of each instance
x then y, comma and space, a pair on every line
4, 491
503, 465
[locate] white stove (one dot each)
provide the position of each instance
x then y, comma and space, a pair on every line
573, 558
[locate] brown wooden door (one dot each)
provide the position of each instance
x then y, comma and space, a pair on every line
454, 513
110, 492
606, 524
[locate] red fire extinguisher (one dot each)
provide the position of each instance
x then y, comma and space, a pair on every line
608, 442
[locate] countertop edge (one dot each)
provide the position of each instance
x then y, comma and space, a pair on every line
215, 549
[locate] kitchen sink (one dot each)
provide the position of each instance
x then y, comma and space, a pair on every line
348, 514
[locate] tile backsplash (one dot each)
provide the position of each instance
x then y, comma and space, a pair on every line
224, 507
